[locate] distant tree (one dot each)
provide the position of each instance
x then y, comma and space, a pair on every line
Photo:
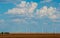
6, 32
1, 32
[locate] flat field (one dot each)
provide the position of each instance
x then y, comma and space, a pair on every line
29, 35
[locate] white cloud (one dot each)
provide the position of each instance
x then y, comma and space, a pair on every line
42, 11
18, 20
28, 9
16, 11
51, 10
24, 8
22, 4
45, 11
53, 17
33, 6
44, 1
11, 1
47, 0
23, 21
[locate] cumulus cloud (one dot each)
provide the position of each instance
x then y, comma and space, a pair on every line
53, 17
24, 8
22, 13
29, 9
42, 11
45, 11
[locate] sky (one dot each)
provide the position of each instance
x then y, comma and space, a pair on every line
30, 16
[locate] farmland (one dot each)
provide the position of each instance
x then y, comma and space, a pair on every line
29, 35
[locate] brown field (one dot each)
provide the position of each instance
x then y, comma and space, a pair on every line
29, 35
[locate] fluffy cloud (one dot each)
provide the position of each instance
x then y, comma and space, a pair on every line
53, 17
24, 8
28, 9
45, 11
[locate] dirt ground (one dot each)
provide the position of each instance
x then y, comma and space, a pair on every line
31, 35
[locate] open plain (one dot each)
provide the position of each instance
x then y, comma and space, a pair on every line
29, 35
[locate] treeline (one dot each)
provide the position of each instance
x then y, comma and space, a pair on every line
4, 33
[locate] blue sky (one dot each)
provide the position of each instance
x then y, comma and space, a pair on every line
37, 16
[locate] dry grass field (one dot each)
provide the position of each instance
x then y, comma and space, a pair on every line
29, 35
